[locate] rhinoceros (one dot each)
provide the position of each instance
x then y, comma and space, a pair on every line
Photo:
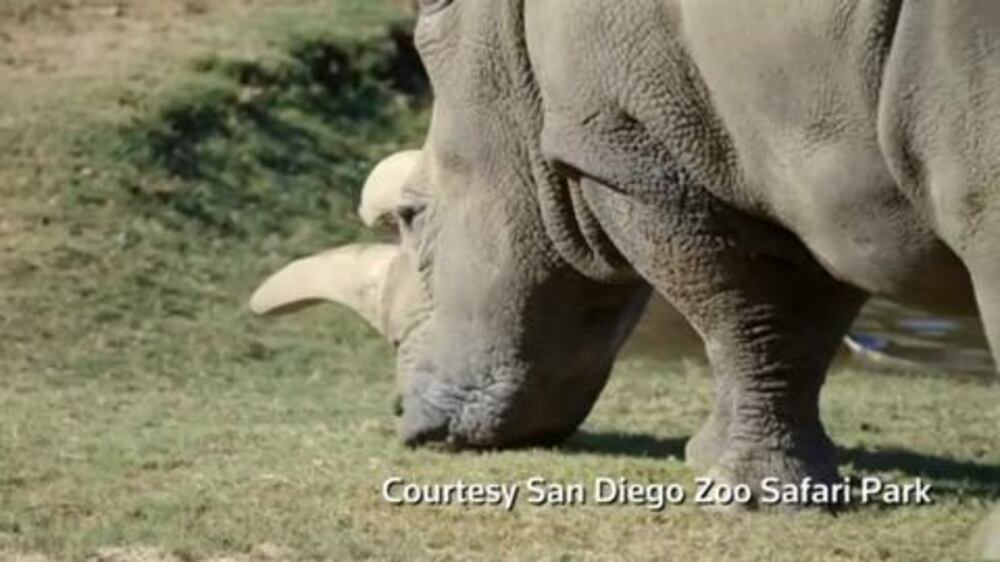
764, 166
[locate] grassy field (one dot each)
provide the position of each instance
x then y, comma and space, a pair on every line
157, 160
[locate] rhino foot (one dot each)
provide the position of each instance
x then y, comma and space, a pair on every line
803, 475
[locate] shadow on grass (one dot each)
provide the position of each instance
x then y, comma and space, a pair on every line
625, 444
949, 477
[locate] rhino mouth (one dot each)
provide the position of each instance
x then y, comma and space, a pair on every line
426, 418
426, 425
499, 415
449, 416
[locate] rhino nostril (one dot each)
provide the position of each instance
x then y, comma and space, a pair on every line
422, 423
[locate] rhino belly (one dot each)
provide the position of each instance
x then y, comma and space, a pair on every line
864, 231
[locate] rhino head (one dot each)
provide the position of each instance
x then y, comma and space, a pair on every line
518, 302
499, 342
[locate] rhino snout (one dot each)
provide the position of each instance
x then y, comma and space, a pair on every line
496, 417
422, 423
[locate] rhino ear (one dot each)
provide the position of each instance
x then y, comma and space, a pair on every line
384, 188
353, 275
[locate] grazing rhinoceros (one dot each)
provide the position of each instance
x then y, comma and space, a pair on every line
765, 166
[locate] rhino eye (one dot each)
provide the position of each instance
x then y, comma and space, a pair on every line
428, 7
407, 214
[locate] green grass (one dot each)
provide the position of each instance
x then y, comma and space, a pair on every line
141, 405
289, 447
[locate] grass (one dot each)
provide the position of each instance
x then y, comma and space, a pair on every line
157, 163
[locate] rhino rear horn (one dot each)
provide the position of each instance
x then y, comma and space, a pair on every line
383, 189
353, 275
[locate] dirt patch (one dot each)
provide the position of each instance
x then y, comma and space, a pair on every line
264, 552
73, 38
9, 556
132, 554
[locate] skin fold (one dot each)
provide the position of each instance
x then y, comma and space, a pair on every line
763, 166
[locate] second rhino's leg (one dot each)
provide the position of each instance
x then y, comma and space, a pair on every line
770, 349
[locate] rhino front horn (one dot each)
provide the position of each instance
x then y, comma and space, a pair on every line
353, 275
384, 187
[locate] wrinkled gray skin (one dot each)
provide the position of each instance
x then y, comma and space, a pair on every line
764, 165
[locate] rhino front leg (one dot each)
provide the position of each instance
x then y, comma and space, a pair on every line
770, 351
772, 319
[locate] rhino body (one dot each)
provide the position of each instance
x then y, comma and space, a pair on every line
764, 166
